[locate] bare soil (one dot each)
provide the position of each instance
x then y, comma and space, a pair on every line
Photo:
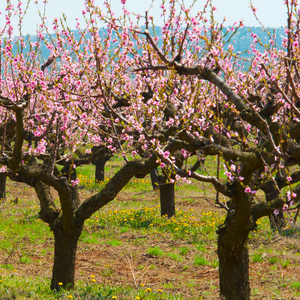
130, 265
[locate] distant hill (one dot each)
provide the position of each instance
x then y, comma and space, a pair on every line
241, 41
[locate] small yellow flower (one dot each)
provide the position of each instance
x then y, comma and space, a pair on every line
137, 297
141, 285
1, 281
159, 290
93, 280
92, 276
148, 290
60, 283
70, 297
114, 297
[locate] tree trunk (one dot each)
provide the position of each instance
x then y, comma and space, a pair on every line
63, 275
233, 264
167, 199
154, 179
277, 222
2, 187
99, 171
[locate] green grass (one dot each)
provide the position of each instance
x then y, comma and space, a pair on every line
273, 260
285, 262
175, 256
14, 287
296, 285
257, 258
184, 250
156, 251
201, 261
114, 243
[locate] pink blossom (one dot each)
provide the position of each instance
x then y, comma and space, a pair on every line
166, 154
249, 191
3, 169
74, 182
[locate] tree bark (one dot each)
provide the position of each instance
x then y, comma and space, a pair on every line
63, 274
102, 155
154, 179
167, 199
232, 241
233, 265
2, 187
99, 170
277, 222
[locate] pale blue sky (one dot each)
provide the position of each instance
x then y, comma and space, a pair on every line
271, 12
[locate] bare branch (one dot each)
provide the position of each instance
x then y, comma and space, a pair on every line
156, 49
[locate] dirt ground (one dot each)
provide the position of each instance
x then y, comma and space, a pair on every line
131, 265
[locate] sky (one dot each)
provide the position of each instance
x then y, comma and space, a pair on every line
272, 13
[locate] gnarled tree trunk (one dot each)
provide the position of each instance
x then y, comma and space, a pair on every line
2, 187
232, 243
63, 274
233, 265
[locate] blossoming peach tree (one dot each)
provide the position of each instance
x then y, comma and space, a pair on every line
55, 110
162, 93
249, 119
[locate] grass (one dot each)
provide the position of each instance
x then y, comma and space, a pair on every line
296, 285
285, 262
19, 288
156, 251
201, 261
273, 260
129, 248
176, 256
114, 243
257, 258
